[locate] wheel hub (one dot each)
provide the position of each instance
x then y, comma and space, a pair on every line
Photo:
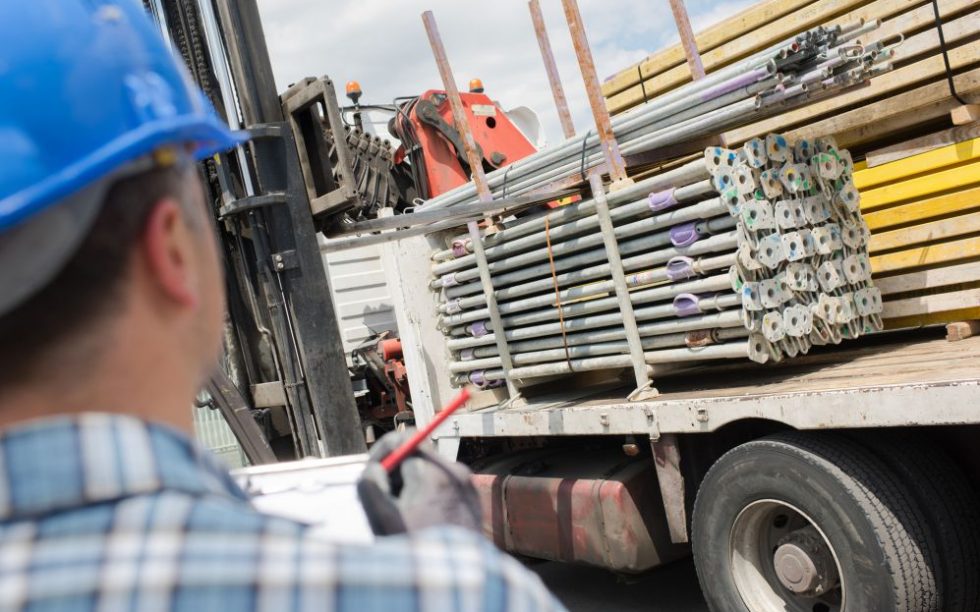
804, 564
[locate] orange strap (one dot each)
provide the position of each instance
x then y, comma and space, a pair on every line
554, 280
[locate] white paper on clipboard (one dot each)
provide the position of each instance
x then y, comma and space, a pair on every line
320, 492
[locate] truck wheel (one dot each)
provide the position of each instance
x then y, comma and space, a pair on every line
951, 509
811, 523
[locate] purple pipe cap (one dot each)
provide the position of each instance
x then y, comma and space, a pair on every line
454, 306
679, 268
478, 329
459, 248
661, 200
686, 305
467, 354
479, 379
684, 234
449, 280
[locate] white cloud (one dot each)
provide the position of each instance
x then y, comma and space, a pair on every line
382, 44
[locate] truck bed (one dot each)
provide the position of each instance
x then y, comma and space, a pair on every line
890, 379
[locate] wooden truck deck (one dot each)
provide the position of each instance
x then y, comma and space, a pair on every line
891, 379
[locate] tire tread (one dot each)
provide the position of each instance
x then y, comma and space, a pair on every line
899, 524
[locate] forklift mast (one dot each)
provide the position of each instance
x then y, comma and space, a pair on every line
284, 364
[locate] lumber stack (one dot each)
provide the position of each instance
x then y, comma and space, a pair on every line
920, 185
915, 92
924, 215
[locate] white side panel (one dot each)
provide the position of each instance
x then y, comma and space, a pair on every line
360, 294
423, 345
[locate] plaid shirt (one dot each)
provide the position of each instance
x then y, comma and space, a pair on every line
101, 512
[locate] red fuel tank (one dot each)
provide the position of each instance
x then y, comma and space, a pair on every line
599, 508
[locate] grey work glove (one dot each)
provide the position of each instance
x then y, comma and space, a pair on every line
425, 490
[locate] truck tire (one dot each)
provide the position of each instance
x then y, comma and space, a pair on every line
951, 509
814, 523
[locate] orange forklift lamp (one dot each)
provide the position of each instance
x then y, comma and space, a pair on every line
476, 86
354, 91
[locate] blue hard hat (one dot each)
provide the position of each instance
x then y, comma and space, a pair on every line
87, 86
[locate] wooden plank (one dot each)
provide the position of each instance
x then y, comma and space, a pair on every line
926, 232
929, 279
891, 82
752, 18
929, 208
917, 164
933, 319
961, 330
821, 12
922, 144
946, 252
967, 113
903, 110
927, 184
931, 304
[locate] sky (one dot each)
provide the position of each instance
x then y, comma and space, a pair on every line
382, 44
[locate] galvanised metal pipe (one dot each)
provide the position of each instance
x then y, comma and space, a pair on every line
546, 295
641, 279
667, 131
659, 311
677, 101
701, 125
701, 121
692, 180
585, 223
729, 319
707, 212
595, 350
730, 350
658, 242
724, 242
717, 320
720, 282
714, 84
645, 208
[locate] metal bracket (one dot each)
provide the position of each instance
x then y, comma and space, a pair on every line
667, 461
642, 394
285, 260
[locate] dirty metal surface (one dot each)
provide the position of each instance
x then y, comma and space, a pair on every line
892, 379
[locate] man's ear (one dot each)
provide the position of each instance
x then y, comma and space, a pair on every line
168, 250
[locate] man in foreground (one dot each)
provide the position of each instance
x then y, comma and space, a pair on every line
111, 310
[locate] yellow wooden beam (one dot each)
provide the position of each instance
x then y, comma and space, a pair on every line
956, 250
921, 210
939, 318
936, 182
925, 232
917, 164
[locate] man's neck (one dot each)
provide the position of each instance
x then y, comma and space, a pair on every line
139, 384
